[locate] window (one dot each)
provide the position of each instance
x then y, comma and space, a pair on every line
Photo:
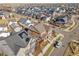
23, 35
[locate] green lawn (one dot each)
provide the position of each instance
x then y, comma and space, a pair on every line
49, 50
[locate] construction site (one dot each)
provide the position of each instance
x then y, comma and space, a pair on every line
39, 29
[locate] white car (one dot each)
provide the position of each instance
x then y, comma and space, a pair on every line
58, 44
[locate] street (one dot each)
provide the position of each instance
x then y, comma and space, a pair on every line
68, 36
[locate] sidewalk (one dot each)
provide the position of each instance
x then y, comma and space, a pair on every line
49, 44
71, 27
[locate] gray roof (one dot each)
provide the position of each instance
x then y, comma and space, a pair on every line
16, 41
24, 22
40, 28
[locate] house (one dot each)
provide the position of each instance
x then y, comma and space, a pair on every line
61, 20
3, 28
30, 48
40, 29
3, 31
2, 16
60, 10
13, 43
4, 34
25, 22
15, 26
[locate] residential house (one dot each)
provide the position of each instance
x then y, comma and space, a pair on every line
13, 43
15, 26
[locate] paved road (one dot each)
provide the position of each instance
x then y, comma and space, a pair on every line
68, 36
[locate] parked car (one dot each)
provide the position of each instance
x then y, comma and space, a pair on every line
57, 44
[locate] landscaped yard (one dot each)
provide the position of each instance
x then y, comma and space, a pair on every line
3, 22
49, 50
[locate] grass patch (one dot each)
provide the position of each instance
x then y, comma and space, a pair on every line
49, 50
3, 22
59, 38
